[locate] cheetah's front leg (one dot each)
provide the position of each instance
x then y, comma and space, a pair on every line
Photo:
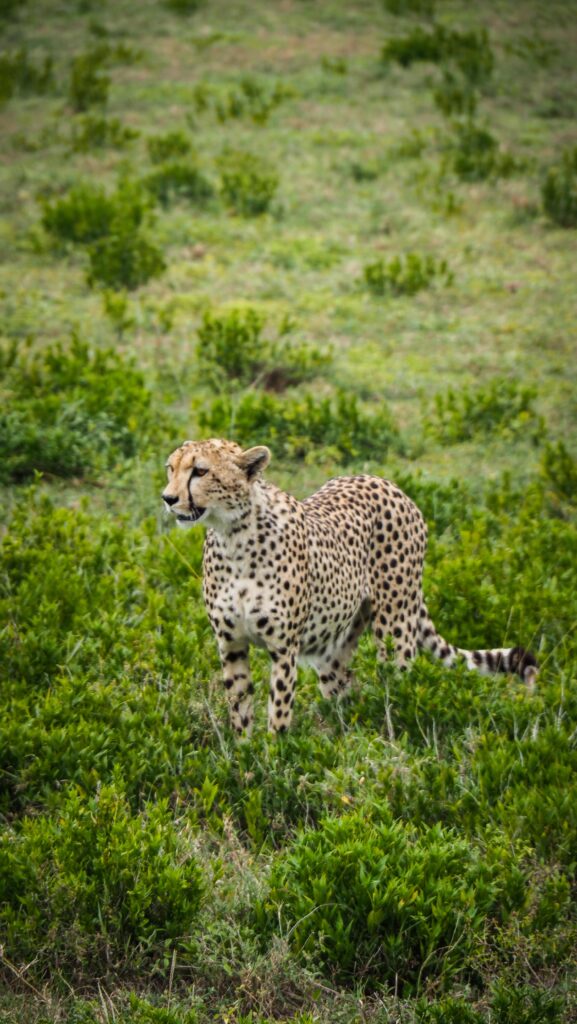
282, 690
238, 684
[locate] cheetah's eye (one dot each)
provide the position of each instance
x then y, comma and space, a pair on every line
197, 471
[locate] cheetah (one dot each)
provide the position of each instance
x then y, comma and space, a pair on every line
304, 579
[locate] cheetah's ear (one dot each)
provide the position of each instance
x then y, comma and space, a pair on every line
255, 460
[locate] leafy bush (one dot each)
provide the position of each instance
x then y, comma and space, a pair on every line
475, 154
247, 184
401, 8
88, 85
174, 181
559, 190
68, 410
124, 259
297, 427
454, 95
183, 7
88, 213
560, 470
114, 886
19, 76
470, 51
166, 147
231, 346
96, 132
383, 902
252, 99
501, 407
406, 275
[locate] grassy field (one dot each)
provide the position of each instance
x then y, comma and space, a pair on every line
346, 231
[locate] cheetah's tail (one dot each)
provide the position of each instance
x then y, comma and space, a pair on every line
500, 659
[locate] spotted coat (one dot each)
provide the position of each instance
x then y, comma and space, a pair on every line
304, 579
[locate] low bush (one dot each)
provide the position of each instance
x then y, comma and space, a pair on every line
402, 8
406, 275
475, 154
247, 183
381, 902
96, 132
183, 7
455, 95
168, 147
502, 407
20, 76
68, 410
115, 886
124, 259
232, 346
559, 190
88, 85
88, 213
172, 182
251, 99
559, 468
470, 52
303, 427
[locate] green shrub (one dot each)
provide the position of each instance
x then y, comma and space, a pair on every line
379, 901
88, 213
124, 259
247, 184
500, 407
470, 51
402, 8
526, 1005
88, 85
475, 152
183, 7
172, 182
68, 410
166, 147
299, 427
560, 470
113, 886
447, 1010
95, 132
19, 76
251, 99
406, 275
231, 346
559, 190
454, 95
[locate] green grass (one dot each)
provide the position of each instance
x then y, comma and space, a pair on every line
115, 754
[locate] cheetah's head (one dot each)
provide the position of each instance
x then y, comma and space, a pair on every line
211, 481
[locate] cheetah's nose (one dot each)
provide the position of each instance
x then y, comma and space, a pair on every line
169, 499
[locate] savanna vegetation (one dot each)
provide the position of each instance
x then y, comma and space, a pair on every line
347, 231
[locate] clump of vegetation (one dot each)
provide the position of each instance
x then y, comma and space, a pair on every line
88, 85
559, 190
252, 99
183, 7
501, 407
247, 183
124, 259
20, 76
402, 8
470, 52
232, 346
559, 468
406, 275
68, 410
110, 225
475, 154
454, 95
304, 427
172, 182
94, 131
170, 146
385, 902
115, 885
